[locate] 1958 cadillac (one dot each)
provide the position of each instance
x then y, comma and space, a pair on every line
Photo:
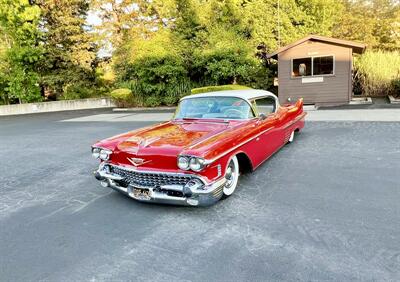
196, 158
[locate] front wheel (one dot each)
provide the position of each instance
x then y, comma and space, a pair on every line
231, 176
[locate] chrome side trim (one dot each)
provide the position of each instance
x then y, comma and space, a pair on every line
295, 120
207, 162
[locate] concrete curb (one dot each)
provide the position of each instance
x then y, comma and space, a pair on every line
393, 100
361, 101
56, 106
309, 108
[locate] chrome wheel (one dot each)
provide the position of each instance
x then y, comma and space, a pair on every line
231, 176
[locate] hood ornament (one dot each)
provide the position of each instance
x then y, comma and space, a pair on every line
138, 161
147, 142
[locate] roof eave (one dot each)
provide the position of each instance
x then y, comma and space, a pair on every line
356, 47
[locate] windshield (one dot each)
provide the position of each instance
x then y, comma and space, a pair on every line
214, 107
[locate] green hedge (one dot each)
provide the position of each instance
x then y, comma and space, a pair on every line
121, 93
218, 88
123, 97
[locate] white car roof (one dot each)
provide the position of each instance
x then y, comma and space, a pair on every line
246, 94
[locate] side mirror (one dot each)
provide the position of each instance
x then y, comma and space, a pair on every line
262, 116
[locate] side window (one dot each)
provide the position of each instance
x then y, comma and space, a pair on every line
266, 105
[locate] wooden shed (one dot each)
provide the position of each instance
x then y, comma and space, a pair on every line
317, 69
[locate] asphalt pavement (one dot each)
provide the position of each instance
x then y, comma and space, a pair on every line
326, 207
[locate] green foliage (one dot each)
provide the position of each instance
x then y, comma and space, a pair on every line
201, 48
83, 91
20, 51
294, 20
396, 86
154, 69
22, 85
374, 22
152, 101
226, 58
377, 72
218, 88
123, 97
121, 93
68, 48
163, 48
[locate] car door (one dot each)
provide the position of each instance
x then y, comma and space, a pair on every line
269, 124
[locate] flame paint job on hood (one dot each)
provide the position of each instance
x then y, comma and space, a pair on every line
174, 136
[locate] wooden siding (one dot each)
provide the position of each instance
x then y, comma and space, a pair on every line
334, 90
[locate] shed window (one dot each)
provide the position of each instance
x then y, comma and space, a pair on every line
313, 66
301, 67
323, 65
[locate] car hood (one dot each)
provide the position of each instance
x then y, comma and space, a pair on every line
171, 135
159, 145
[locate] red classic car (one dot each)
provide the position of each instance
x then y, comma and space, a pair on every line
196, 158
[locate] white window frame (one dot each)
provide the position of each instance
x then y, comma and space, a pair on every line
312, 66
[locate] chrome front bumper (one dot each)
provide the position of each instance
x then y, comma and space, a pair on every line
194, 193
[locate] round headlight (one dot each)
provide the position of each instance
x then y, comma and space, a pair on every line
196, 164
104, 155
96, 153
183, 163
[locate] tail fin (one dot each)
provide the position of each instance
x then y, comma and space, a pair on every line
299, 103
298, 107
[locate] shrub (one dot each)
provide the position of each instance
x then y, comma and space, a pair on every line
83, 91
76, 92
218, 88
152, 101
170, 100
163, 77
121, 94
375, 72
156, 74
396, 86
123, 97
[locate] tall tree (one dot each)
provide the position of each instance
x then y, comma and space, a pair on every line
277, 23
375, 22
20, 50
68, 46
116, 16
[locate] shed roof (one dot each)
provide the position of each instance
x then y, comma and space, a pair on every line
356, 46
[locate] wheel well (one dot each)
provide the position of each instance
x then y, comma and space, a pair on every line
244, 163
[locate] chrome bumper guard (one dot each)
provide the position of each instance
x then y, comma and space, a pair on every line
194, 193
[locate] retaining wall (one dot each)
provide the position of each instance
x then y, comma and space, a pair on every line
55, 106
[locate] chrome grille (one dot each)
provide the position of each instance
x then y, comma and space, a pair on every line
149, 179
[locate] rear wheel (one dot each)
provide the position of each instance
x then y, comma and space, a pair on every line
231, 176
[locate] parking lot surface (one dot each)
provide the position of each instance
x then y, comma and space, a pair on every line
326, 207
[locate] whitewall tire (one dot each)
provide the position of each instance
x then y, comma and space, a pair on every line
291, 137
232, 177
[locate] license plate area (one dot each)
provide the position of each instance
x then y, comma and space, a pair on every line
141, 194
